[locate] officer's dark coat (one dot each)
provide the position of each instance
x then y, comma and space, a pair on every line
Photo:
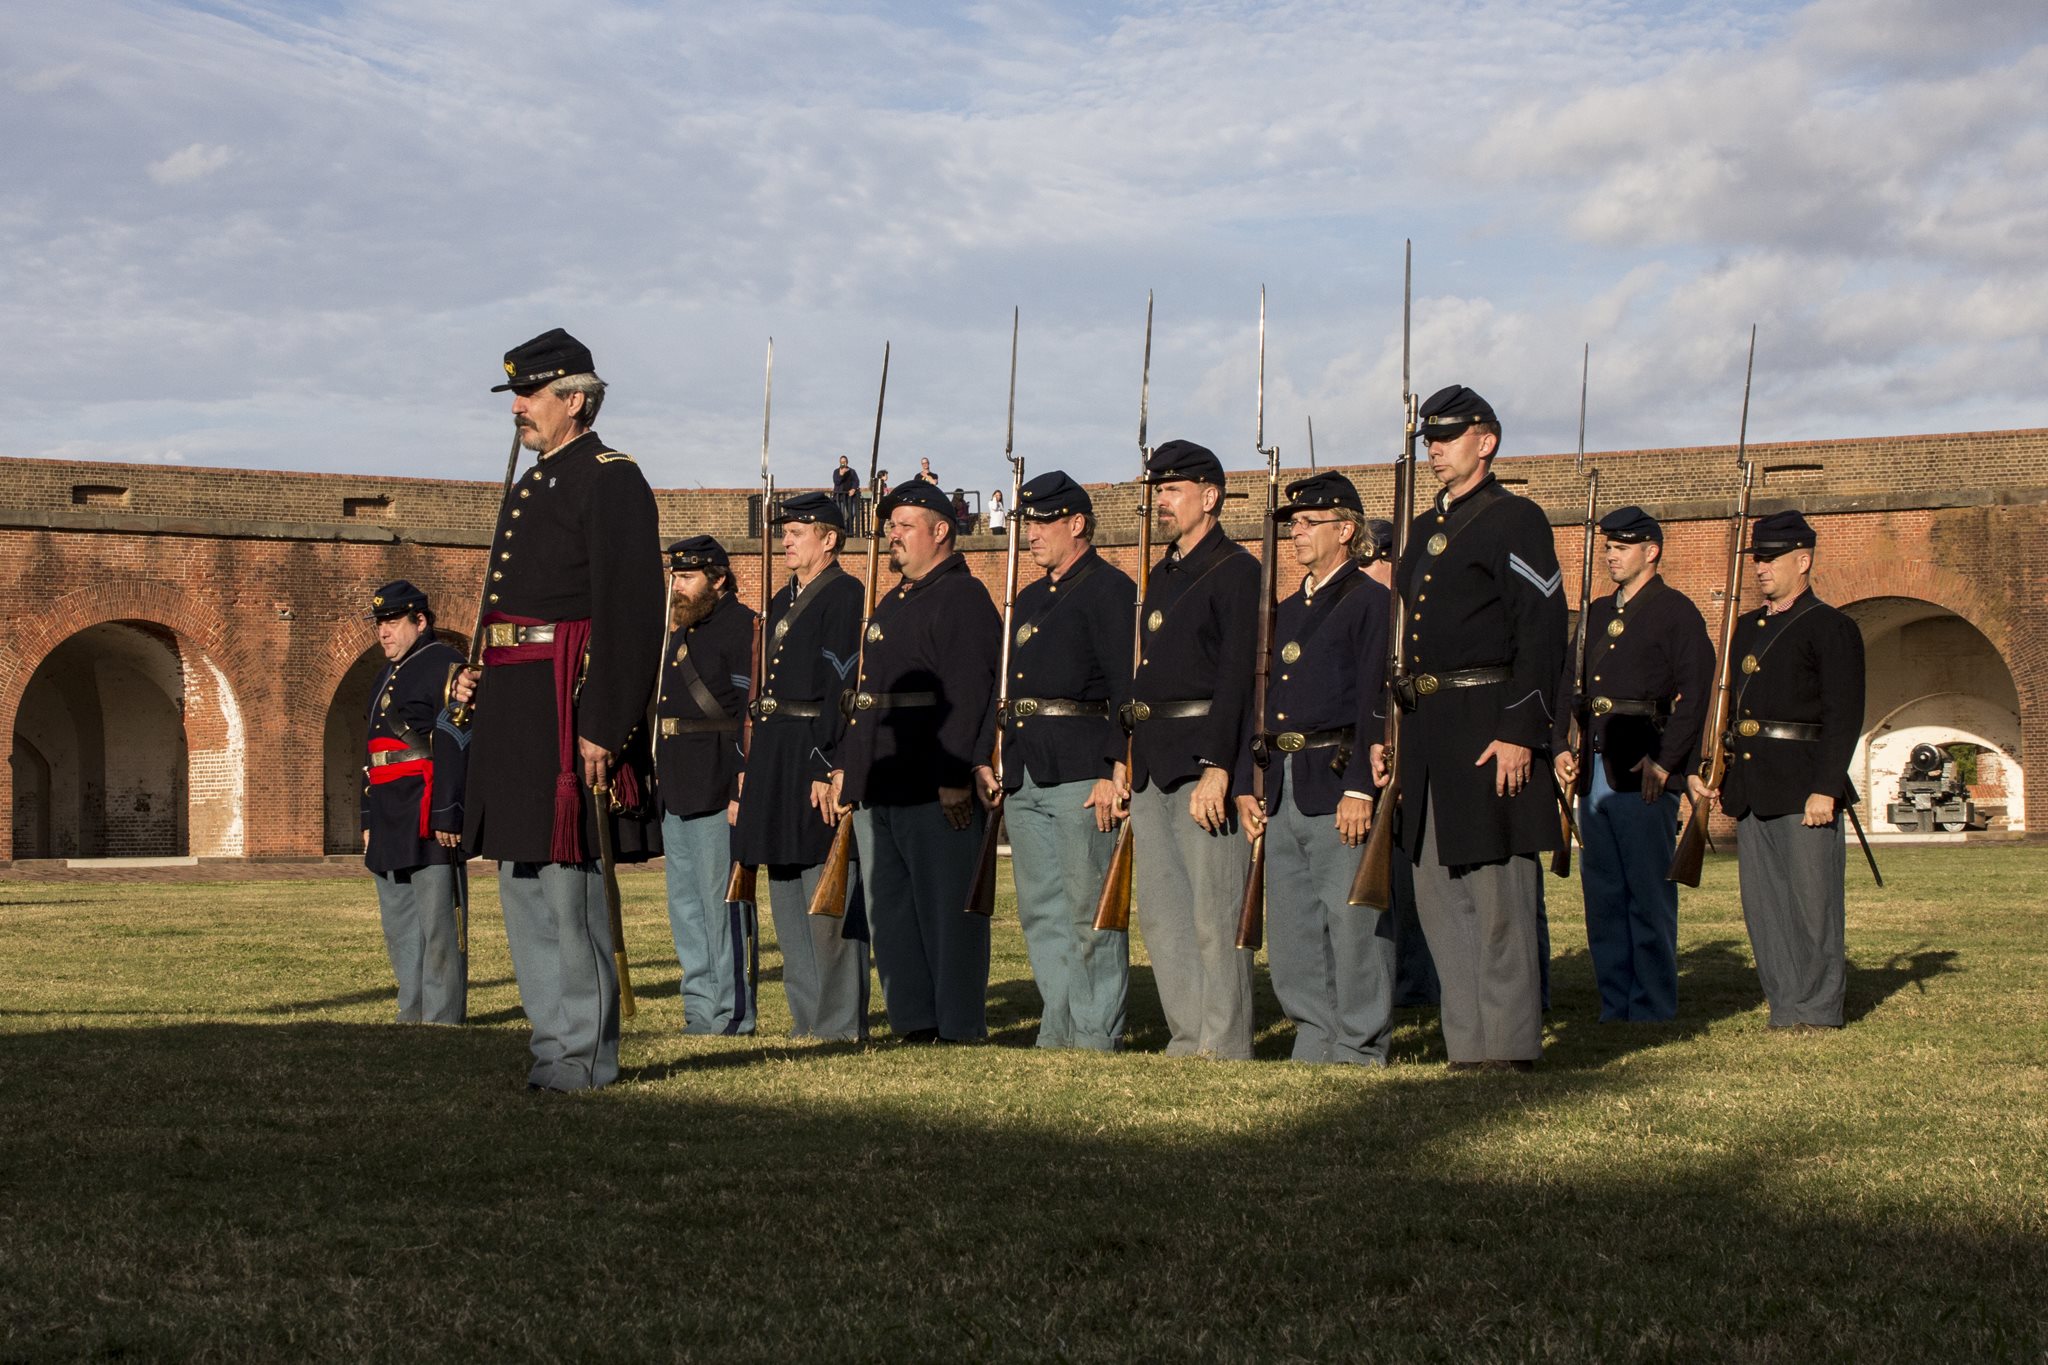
940, 633
1078, 648
1493, 596
1334, 681
1662, 653
1208, 605
407, 705
1809, 670
576, 539
696, 772
812, 662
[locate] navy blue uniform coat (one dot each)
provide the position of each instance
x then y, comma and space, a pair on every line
1207, 603
697, 772
1809, 670
407, 705
1078, 649
1662, 653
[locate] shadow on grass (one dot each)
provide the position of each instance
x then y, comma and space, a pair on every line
363, 997
1870, 987
364, 1192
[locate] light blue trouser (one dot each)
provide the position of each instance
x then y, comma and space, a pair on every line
1188, 889
560, 935
931, 954
1483, 924
422, 908
1059, 860
714, 937
1631, 910
1332, 962
824, 975
1792, 902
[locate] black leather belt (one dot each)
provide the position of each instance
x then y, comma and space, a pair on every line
389, 756
1023, 708
1134, 712
1777, 729
1412, 687
671, 726
765, 707
501, 635
1294, 741
1659, 709
893, 701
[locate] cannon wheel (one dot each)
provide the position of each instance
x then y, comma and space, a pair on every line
1955, 826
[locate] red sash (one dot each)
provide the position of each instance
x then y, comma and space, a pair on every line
422, 768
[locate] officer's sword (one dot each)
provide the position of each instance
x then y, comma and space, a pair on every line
1868, 856
608, 864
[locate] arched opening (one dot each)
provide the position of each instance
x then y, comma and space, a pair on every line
1933, 678
131, 744
345, 743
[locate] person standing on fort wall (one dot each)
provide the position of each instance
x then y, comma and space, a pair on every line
412, 810
572, 640
1795, 714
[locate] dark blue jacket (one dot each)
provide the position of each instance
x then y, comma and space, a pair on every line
1070, 641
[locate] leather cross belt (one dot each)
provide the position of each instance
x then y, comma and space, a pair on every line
503, 635
1023, 708
1777, 729
765, 707
671, 726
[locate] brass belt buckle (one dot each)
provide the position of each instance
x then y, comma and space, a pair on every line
864, 701
501, 636
668, 727
1749, 729
1602, 705
1289, 741
1425, 684
766, 706
1025, 706
1141, 710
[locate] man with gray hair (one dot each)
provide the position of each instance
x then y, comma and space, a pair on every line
572, 640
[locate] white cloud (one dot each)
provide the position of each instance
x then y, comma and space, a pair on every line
195, 162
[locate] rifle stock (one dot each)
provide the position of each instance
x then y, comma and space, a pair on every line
1113, 906
1373, 883
829, 899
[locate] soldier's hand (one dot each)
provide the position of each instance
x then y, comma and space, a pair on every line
1567, 767
1250, 817
822, 802
1379, 765
957, 805
464, 690
447, 838
986, 786
1820, 810
597, 763
1654, 776
1106, 801
366, 841
1354, 820
732, 812
1696, 787
1121, 775
1206, 800
1511, 766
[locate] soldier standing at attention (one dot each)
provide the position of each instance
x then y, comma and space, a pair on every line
1332, 963
412, 811
1649, 676
1796, 713
1486, 641
705, 673
813, 645
1190, 714
572, 642
1063, 763
923, 716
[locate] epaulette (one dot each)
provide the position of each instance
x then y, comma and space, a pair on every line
607, 456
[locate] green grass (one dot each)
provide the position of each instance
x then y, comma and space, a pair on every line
212, 1145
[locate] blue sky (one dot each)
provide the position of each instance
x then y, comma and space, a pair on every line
300, 236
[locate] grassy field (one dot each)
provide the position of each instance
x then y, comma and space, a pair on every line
214, 1146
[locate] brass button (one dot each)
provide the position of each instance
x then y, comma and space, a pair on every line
496, 575
524, 492
504, 555
494, 597
515, 513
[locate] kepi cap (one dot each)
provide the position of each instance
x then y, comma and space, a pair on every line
1446, 413
1184, 460
548, 357
395, 599
1325, 490
810, 507
916, 493
1631, 526
1780, 533
698, 552
1053, 495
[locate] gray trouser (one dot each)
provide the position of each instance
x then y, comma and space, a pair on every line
1792, 902
714, 937
422, 909
1188, 889
931, 954
824, 976
1332, 962
560, 935
1481, 922
1059, 860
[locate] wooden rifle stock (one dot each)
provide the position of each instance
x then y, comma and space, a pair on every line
830, 897
1113, 906
1373, 883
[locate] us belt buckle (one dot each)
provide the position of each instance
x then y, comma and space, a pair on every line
766, 706
1289, 741
1426, 684
864, 701
1601, 705
1748, 729
1025, 706
501, 636
1141, 710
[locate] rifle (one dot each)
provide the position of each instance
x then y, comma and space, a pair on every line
981, 893
460, 713
1561, 861
1251, 914
1311, 445
1113, 906
1692, 840
742, 885
1373, 884
830, 897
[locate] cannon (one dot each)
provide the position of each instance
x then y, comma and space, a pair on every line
1931, 796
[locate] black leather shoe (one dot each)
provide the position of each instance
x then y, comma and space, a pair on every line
922, 1035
